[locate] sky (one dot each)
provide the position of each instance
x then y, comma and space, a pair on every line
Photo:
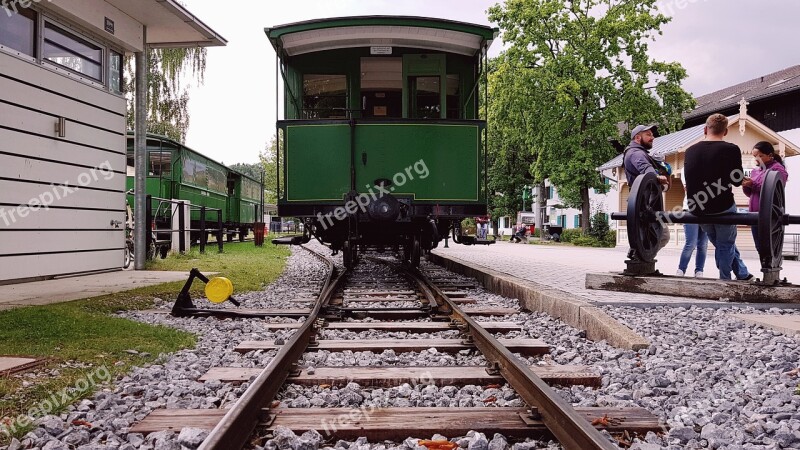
232, 115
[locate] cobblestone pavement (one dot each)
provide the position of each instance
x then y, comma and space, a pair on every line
565, 268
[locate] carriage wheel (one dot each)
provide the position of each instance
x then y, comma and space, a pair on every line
770, 221
644, 231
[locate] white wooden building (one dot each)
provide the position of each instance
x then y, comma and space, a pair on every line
62, 127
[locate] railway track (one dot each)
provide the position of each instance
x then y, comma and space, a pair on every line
437, 305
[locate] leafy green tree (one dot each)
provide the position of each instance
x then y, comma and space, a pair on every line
586, 67
511, 154
252, 170
167, 97
269, 162
268, 166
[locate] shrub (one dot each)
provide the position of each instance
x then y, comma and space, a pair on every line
598, 226
571, 234
609, 240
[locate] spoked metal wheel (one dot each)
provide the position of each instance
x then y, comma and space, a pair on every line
770, 219
644, 231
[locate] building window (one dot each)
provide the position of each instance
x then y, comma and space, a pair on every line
67, 50
562, 220
115, 72
577, 221
18, 31
324, 97
549, 192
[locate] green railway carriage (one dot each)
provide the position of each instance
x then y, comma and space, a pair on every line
180, 173
380, 144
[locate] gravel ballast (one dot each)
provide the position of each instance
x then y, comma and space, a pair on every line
715, 381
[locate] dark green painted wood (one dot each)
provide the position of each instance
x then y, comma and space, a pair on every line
318, 157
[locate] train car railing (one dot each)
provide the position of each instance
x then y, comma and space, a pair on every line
165, 211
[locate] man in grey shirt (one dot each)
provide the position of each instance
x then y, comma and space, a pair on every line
637, 161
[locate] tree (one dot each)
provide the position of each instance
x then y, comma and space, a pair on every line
511, 154
586, 68
167, 99
269, 162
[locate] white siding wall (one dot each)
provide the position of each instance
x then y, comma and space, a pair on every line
75, 232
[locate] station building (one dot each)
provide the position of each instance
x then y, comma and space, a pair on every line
63, 126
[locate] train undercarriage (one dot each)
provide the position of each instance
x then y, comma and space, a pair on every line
387, 224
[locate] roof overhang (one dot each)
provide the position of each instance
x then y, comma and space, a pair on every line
169, 25
412, 32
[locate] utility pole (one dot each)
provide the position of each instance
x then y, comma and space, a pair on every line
141, 227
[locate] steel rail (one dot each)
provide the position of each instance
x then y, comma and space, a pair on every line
571, 429
238, 424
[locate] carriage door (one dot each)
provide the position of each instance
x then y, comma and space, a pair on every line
425, 86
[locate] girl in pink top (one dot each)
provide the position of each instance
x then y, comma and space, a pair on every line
767, 159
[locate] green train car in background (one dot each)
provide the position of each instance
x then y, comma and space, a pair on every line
176, 172
381, 143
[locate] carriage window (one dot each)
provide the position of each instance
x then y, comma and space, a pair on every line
382, 87
324, 96
216, 179
426, 100
453, 97
18, 31
160, 163
72, 52
188, 171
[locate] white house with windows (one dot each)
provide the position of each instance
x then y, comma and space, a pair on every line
62, 127
556, 213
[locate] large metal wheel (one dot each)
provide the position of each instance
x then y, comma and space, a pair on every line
772, 208
644, 231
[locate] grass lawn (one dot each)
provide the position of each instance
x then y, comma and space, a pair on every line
83, 340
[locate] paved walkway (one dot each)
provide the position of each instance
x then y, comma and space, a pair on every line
87, 286
565, 268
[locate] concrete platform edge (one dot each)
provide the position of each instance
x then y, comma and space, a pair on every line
562, 305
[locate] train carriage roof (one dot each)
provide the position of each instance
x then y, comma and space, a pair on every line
392, 31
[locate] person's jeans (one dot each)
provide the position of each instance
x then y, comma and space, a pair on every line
726, 254
695, 238
754, 230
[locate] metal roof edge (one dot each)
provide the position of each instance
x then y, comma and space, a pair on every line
214, 38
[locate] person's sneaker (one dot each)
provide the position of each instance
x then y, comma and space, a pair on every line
680, 273
749, 277
698, 274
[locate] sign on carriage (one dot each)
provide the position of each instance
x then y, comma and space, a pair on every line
380, 50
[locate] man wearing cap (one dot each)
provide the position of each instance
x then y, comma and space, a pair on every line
637, 161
